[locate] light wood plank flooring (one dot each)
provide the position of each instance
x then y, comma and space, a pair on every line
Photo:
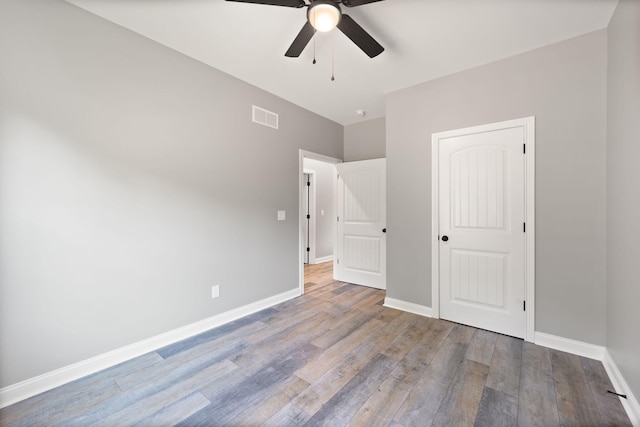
335, 357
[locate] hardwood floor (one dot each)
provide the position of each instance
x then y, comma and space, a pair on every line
335, 357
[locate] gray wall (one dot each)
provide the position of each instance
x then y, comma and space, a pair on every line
365, 140
325, 201
623, 196
131, 181
564, 87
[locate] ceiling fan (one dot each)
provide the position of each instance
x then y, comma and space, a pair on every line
324, 15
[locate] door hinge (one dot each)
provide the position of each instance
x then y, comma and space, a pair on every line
524, 227
338, 219
308, 183
308, 249
524, 306
524, 148
337, 260
308, 216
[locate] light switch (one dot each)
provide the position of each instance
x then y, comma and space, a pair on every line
321, 212
282, 215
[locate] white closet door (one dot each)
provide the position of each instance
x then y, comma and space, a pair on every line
481, 220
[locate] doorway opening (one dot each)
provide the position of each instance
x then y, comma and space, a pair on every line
317, 182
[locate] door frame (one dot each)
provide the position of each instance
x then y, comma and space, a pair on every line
528, 124
312, 221
303, 154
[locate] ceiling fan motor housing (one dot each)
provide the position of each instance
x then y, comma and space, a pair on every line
324, 15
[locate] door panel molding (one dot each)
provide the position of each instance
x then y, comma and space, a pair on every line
528, 126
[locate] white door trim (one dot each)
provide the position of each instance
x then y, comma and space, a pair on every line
303, 154
528, 123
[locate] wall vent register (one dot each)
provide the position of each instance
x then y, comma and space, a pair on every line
264, 117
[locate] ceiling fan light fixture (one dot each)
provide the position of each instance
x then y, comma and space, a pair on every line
324, 16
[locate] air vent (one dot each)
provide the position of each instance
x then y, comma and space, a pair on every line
264, 117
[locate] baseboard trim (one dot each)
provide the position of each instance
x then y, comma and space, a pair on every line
36, 385
410, 307
630, 404
568, 345
323, 259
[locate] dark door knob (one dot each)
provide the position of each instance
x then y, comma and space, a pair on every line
445, 238
384, 230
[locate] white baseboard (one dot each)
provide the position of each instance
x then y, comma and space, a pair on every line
410, 307
323, 259
568, 345
630, 404
33, 386
600, 353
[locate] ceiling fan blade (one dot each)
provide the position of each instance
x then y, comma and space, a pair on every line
352, 3
301, 41
359, 36
286, 3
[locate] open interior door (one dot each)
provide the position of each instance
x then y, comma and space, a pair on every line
361, 243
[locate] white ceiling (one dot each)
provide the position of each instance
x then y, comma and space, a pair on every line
423, 40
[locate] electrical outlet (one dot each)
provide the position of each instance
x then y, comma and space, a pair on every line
282, 215
215, 291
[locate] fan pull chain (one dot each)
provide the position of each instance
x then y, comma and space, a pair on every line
314, 47
314, 37
333, 58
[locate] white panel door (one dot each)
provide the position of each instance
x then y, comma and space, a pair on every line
481, 228
361, 243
